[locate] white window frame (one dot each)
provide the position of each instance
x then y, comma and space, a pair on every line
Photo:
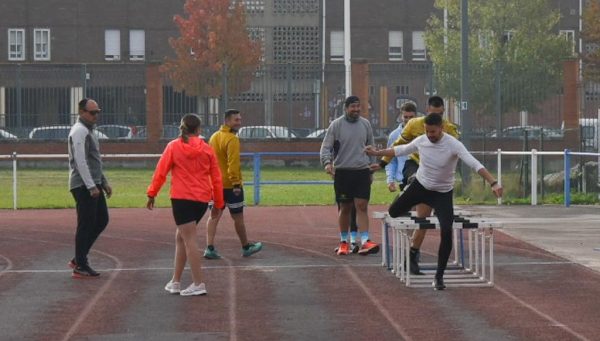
395, 46
508, 36
569, 35
18, 55
419, 52
336, 45
137, 51
39, 53
112, 53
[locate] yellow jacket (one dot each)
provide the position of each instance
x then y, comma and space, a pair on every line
226, 145
415, 128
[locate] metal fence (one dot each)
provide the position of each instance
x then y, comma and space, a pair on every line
301, 97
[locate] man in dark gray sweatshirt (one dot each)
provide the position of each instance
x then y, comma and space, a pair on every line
88, 185
342, 155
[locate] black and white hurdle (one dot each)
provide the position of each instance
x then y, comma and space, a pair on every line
477, 270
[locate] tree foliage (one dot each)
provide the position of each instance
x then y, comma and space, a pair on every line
591, 37
212, 34
517, 40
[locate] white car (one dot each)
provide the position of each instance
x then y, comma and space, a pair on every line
57, 133
317, 134
115, 131
265, 132
5, 135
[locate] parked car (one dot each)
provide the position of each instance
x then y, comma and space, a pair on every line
317, 134
5, 135
170, 132
533, 132
115, 131
265, 132
57, 133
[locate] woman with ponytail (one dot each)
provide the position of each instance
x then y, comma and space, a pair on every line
195, 180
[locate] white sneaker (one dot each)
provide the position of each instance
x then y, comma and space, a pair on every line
173, 287
194, 290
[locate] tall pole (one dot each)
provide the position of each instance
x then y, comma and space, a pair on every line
464, 75
464, 86
347, 49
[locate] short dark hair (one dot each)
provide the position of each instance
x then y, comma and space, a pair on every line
83, 103
350, 100
433, 119
231, 112
435, 101
409, 107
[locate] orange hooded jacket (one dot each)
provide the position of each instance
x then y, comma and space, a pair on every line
195, 173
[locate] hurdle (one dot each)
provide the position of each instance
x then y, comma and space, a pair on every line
480, 248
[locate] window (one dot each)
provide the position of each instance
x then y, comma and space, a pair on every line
569, 35
418, 46
16, 44
137, 45
395, 45
41, 44
112, 45
336, 45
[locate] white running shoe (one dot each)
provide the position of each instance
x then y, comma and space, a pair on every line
173, 287
194, 290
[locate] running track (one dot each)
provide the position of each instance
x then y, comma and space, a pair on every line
295, 289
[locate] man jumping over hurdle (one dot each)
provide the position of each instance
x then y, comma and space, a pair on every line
439, 153
413, 129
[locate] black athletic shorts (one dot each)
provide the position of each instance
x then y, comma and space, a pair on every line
409, 173
350, 184
235, 203
186, 211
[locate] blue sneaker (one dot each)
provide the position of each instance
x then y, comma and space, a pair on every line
252, 249
211, 254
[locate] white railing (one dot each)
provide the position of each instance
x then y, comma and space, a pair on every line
257, 182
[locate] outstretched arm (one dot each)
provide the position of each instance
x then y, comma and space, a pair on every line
496, 188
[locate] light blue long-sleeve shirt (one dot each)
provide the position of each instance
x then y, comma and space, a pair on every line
393, 170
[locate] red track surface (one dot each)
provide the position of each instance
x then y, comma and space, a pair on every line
295, 289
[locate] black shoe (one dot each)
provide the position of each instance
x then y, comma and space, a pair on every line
84, 271
438, 283
414, 262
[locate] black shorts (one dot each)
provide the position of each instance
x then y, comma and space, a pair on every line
350, 184
409, 172
186, 211
235, 203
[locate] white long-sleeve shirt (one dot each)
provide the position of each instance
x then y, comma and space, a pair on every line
438, 160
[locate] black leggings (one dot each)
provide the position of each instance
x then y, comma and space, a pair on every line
92, 218
415, 194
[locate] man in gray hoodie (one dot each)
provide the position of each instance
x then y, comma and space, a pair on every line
88, 185
343, 158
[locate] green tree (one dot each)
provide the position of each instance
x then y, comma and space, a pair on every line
518, 37
212, 35
591, 37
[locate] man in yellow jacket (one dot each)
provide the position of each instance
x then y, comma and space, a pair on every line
414, 128
226, 145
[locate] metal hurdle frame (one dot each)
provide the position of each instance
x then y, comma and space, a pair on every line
472, 274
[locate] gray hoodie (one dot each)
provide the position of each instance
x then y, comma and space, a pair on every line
85, 164
344, 144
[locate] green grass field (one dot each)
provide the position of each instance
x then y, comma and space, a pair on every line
49, 189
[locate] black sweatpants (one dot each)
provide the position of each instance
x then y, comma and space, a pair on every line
414, 194
92, 218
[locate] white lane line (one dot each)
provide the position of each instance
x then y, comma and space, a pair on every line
8, 267
543, 315
218, 267
92, 303
384, 312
